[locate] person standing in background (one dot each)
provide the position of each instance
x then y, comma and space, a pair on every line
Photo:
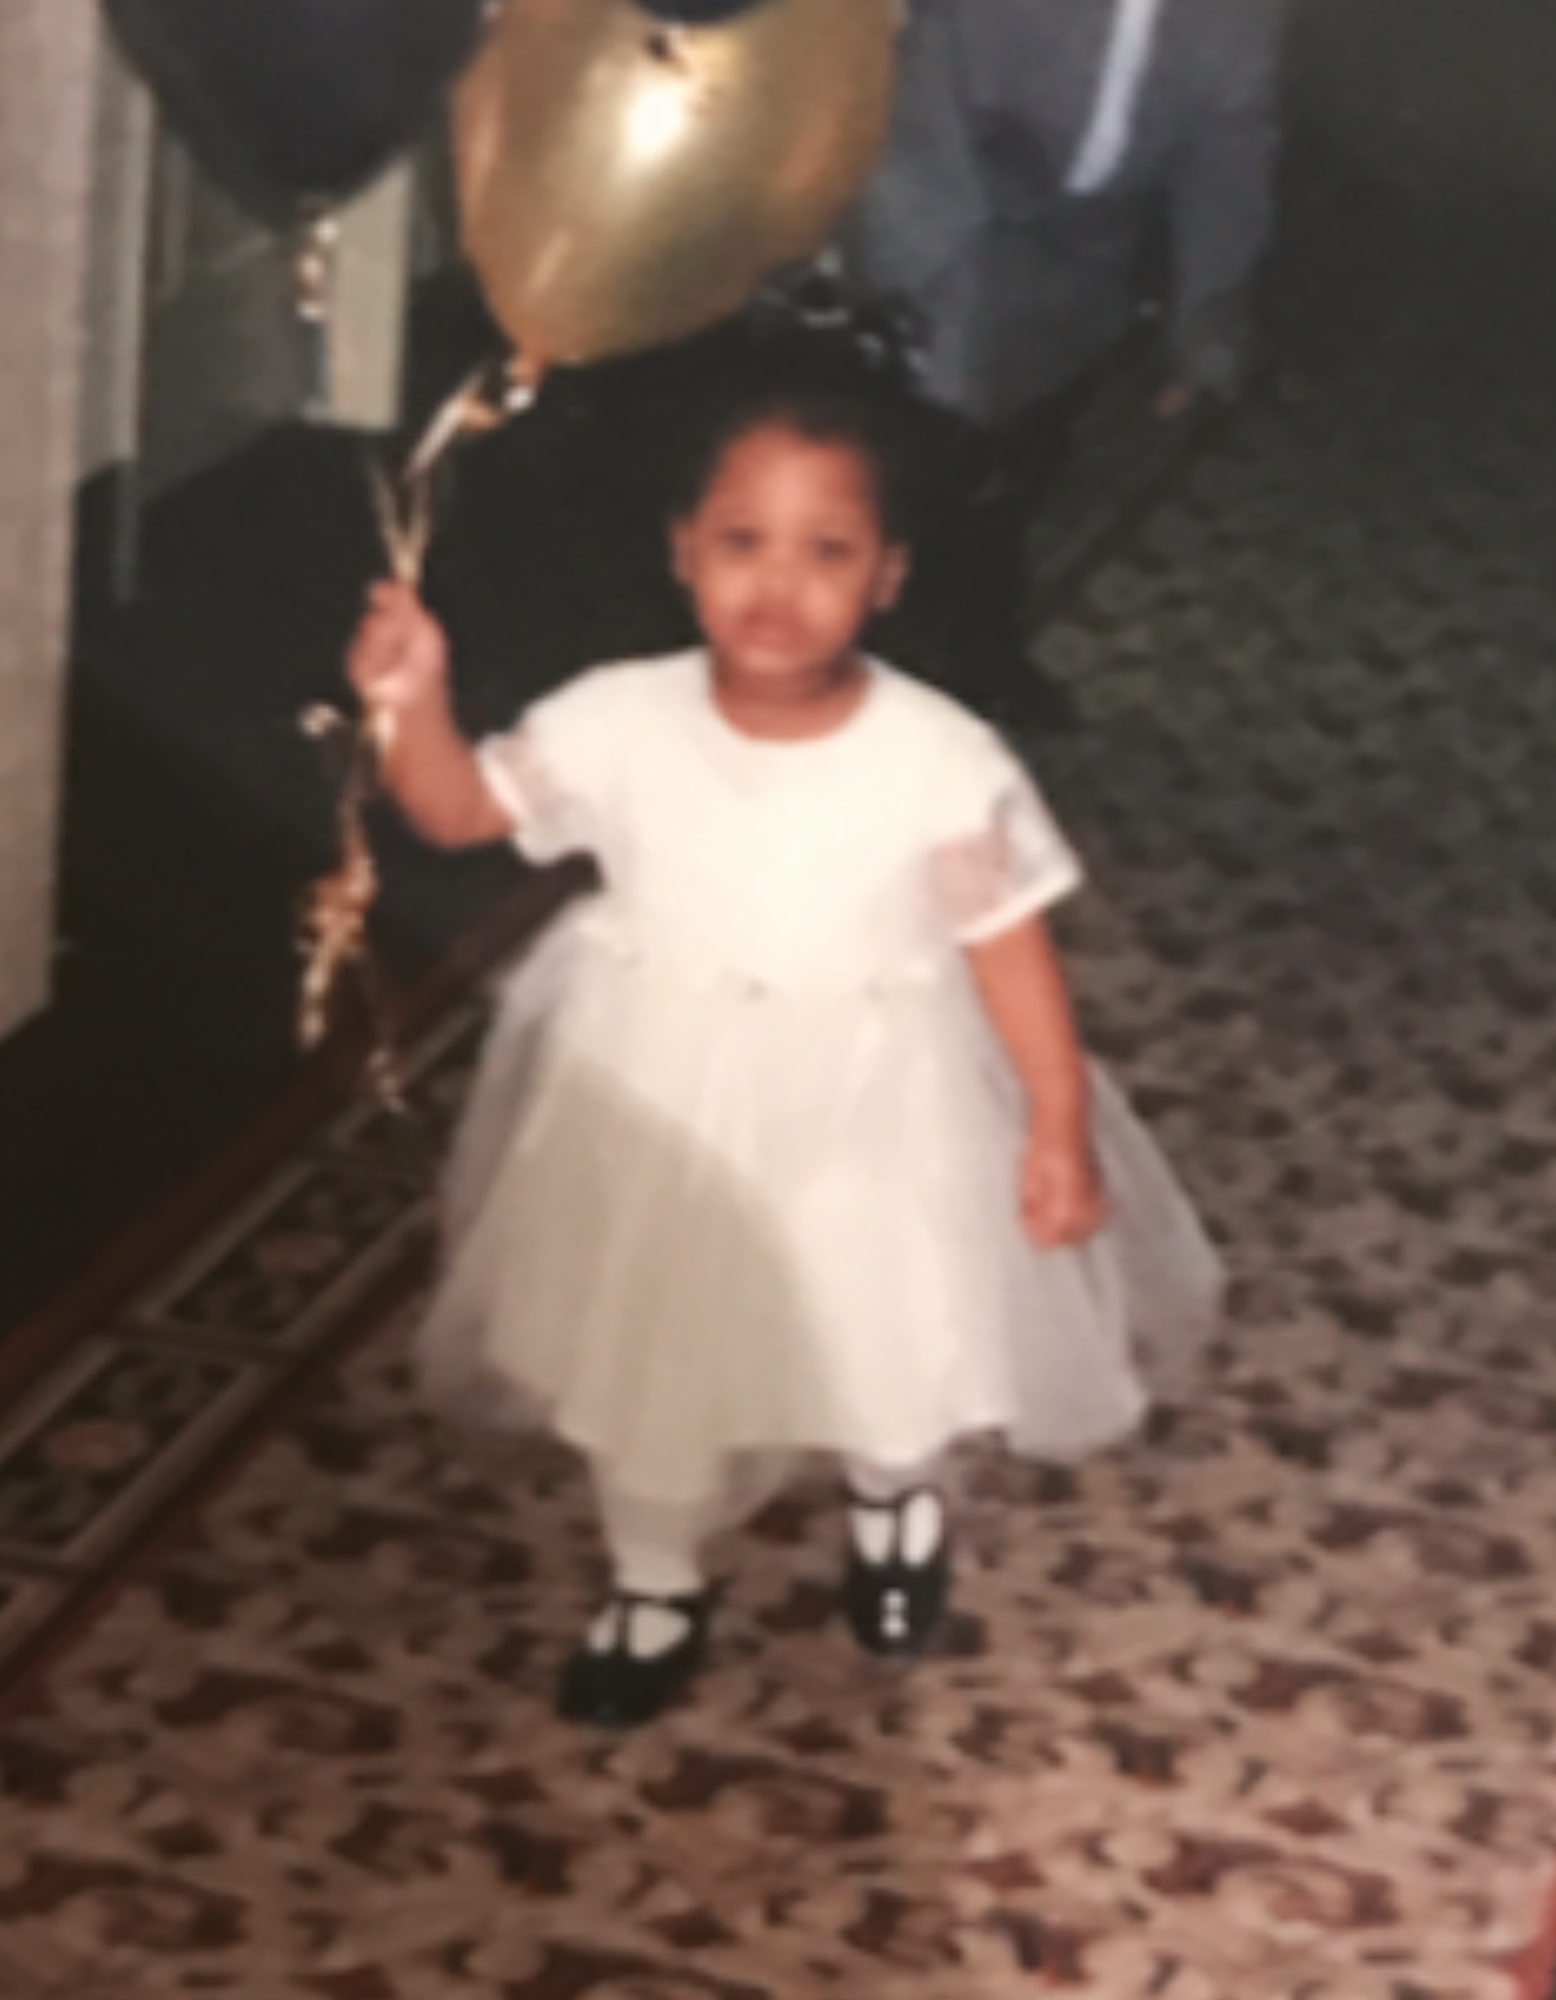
1032, 141
1035, 144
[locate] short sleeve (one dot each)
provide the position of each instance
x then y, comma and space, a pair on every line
999, 855
550, 772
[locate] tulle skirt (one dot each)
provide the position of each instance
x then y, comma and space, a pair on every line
690, 1222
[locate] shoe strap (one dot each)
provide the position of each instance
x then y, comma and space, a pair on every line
897, 1507
624, 1604
687, 1601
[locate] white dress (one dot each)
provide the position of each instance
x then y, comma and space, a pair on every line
739, 1174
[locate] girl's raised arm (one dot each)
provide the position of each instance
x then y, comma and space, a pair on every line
398, 664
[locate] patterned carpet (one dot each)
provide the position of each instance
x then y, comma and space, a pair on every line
1257, 1709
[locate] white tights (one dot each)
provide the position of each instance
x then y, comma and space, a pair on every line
656, 1546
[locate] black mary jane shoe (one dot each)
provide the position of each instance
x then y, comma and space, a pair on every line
612, 1687
895, 1605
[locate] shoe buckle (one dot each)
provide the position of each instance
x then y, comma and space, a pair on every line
894, 1615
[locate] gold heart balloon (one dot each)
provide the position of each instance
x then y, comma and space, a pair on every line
624, 180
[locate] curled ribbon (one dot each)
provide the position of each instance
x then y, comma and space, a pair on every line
333, 934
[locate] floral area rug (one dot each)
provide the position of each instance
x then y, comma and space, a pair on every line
1260, 1708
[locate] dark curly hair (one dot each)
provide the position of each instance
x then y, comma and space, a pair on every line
834, 378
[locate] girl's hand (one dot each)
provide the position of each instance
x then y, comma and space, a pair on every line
1061, 1199
398, 657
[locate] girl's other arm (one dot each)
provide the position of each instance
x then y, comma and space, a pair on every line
398, 664
1022, 989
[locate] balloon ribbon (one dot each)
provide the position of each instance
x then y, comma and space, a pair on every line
333, 934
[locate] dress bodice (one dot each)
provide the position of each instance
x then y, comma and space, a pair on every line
866, 854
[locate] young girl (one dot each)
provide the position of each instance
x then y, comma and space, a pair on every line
783, 1141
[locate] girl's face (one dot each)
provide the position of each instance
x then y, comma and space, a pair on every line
786, 560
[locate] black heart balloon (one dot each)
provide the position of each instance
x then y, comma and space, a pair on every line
295, 104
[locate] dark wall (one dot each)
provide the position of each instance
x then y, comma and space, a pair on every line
1451, 99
